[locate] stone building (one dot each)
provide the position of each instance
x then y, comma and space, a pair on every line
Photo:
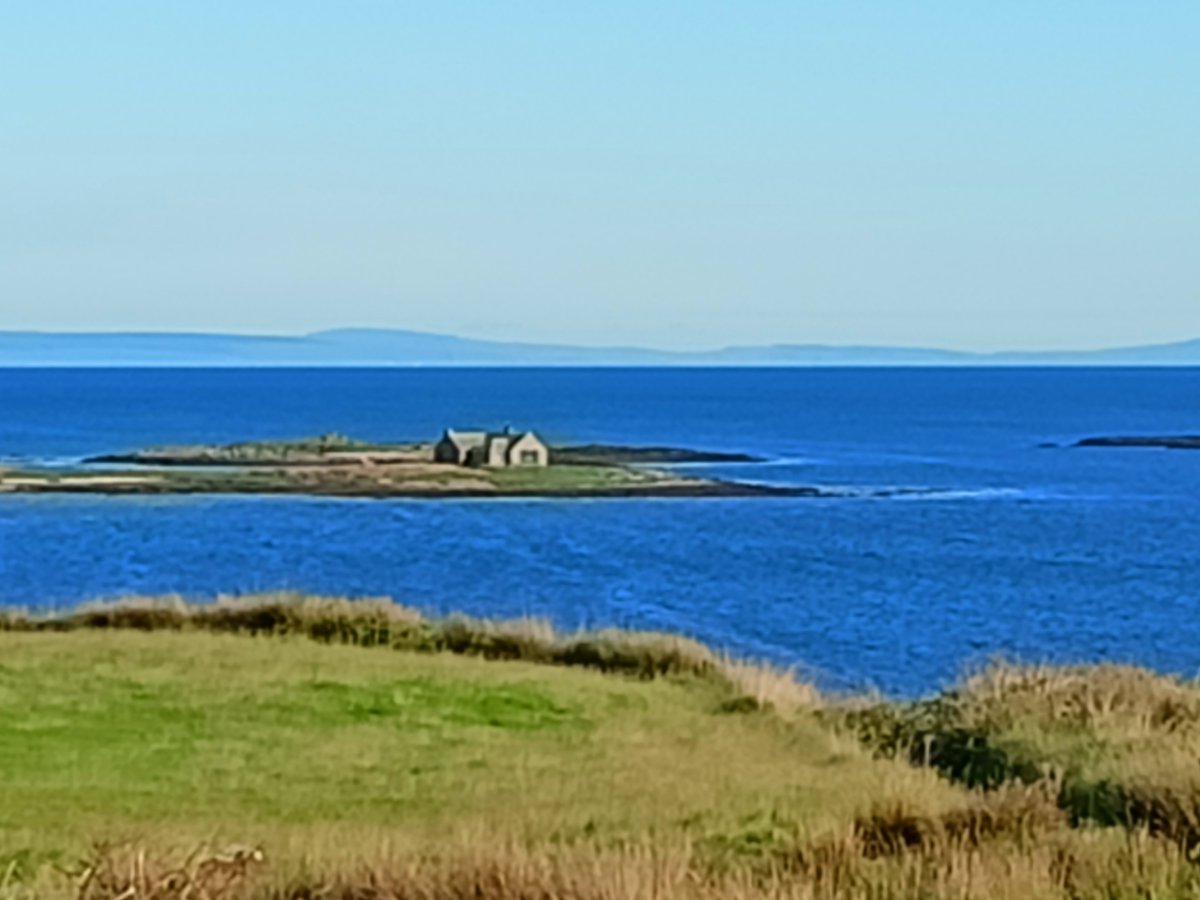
494, 449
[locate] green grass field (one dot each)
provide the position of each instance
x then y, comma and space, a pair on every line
180, 737
372, 753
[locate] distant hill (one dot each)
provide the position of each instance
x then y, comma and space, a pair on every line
385, 347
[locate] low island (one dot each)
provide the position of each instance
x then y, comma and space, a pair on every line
460, 465
1159, 442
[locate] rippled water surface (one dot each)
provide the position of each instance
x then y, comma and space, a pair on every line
994, 542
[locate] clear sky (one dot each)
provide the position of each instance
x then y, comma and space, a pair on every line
690, 174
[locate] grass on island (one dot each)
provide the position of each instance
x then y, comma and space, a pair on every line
403, 479
272, 451
575, 477
333, 442
370, 753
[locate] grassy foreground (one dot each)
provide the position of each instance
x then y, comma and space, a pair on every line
285, 746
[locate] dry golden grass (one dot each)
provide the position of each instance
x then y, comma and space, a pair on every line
1119, 745
1063, 865
380, 621
1115, 699
1022, 814
768, 686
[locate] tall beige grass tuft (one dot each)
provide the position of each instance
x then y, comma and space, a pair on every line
645, 653
372, 621
529, 639
381, 622
1112, 697
133, 874
769, 686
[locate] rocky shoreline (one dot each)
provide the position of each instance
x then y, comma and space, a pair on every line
613, 454
693, 489
270, 454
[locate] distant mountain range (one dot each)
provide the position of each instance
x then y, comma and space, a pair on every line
385, 347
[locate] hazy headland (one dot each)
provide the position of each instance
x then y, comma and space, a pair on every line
395, 347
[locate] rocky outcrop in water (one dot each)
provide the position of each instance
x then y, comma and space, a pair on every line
1162, 442
616, 455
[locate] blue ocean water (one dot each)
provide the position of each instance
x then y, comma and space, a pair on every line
996, 542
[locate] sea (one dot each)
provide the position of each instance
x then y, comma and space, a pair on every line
961, 524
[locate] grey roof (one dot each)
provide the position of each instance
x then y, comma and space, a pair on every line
466, 441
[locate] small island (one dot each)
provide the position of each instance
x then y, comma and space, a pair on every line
461, 465
1160, 442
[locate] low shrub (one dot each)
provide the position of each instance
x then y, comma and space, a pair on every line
1119, 743
170, 613
16, 619
1165, 807
940, 734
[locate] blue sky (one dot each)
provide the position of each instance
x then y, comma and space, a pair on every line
1017, 174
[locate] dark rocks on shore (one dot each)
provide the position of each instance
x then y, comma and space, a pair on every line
153, 458
614, 455
202, 459
680, 490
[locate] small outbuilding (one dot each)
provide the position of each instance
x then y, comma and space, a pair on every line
496, 450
